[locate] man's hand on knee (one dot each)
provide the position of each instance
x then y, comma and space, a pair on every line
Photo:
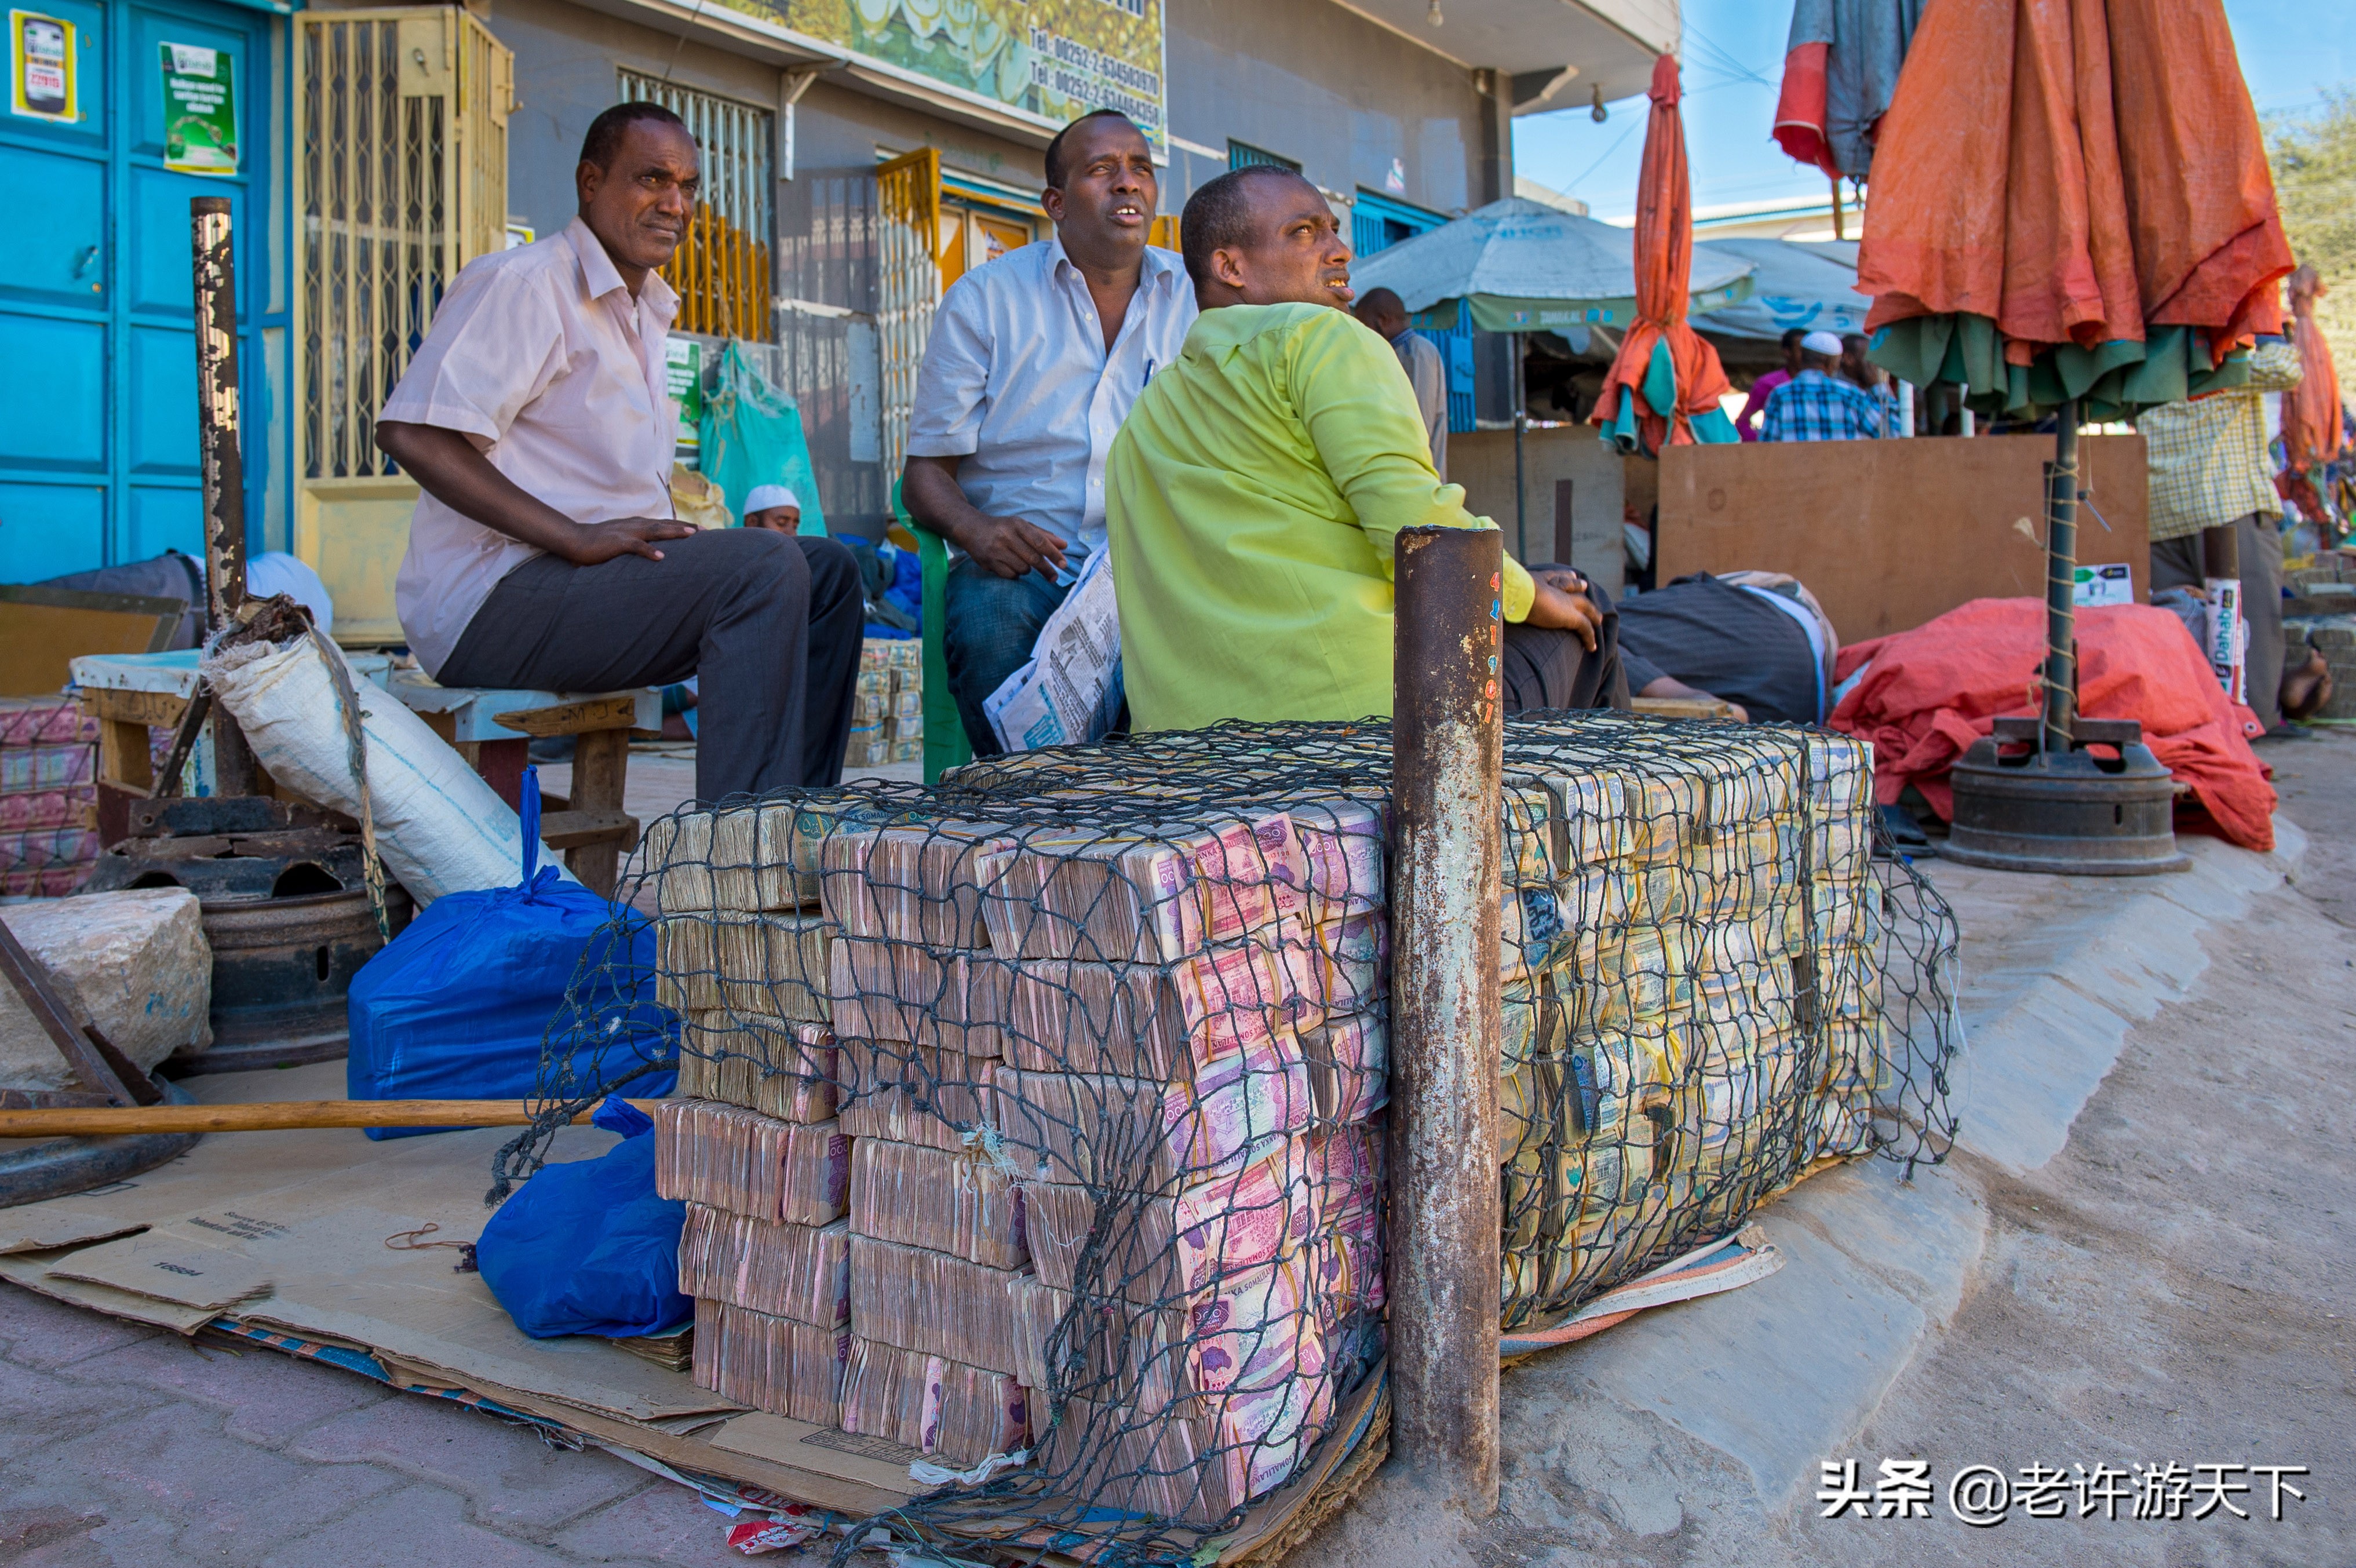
1010, 546
596, 541
1561, 610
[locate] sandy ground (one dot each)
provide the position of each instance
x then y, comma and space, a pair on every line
2177, 1286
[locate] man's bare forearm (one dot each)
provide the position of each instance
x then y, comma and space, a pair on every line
929, 489
446, 464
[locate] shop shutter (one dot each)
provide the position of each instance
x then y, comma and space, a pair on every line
721, 269
401, 175
908, 284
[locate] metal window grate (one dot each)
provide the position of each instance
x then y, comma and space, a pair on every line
402, 180
1242, 154
721, 269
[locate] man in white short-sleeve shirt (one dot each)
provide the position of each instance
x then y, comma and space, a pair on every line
544, 553
1034, 362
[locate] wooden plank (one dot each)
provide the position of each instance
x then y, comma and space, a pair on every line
600, 760
572, 718
1889, 534
576, 830
159, 709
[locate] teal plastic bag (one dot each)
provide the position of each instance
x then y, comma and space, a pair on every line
752, 434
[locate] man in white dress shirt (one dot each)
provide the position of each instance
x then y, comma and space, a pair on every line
1034, 362
544, 553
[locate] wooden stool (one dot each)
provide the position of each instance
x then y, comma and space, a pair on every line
493, 730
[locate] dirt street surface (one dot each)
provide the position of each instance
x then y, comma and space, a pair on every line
2173, 1288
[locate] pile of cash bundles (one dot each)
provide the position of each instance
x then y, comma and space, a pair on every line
1692, 989
1692, 966
1046, 1128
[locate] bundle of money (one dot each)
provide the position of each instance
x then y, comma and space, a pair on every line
1148, 895
894, 990
1134, 1133
933, 1403
801, 1272
1199, 1461
749, 1164
921, 882
770, 1065
1159, 1249
1349, 1065
911, 1093
922, 1300
770, 964
955, 1203
770, 1363
1153, 1021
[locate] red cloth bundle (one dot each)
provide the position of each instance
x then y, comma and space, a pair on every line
1935, 689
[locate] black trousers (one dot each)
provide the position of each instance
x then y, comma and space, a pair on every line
1546, 668
769, 623
2178, 564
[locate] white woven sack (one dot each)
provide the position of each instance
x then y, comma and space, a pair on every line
439, 828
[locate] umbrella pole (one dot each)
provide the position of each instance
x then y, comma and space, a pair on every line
1521, 419
2061, 582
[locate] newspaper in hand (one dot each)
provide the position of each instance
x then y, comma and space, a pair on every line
1070, 691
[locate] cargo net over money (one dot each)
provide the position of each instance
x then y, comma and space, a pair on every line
1040, 1115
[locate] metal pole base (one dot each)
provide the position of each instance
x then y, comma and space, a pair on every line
2068, 813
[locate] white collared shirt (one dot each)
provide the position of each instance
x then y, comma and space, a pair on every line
1018, 383
539, 357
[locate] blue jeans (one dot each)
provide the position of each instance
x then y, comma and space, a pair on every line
988, 629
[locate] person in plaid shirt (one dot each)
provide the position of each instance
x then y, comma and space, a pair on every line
2210, 475
1818, 405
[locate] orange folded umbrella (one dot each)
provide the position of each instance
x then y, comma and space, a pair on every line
2081, 174
2310, 410
1665, 385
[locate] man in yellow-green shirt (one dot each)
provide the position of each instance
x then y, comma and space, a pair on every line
1253, 494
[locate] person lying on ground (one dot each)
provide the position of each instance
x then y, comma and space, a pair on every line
1032, 363
544, 553
1748, 640
1255, 493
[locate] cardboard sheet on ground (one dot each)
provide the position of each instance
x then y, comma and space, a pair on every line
285, 1232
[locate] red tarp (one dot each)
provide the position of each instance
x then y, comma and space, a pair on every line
1663, 276
2076, 170
1935, 689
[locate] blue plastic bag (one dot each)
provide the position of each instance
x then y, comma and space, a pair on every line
456, 1006
586, 1247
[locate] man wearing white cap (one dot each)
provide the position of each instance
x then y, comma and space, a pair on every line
773, 506
1816, 404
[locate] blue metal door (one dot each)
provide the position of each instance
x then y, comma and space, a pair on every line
98, 445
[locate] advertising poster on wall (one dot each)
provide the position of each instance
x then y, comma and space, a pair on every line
1054, 59
199, 110
41, 67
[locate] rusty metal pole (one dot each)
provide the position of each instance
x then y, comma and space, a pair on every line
2060, 708
1447, 738
219, 418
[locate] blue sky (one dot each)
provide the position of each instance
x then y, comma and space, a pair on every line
1733, 63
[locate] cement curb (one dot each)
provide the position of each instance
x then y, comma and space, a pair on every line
2049, 1001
